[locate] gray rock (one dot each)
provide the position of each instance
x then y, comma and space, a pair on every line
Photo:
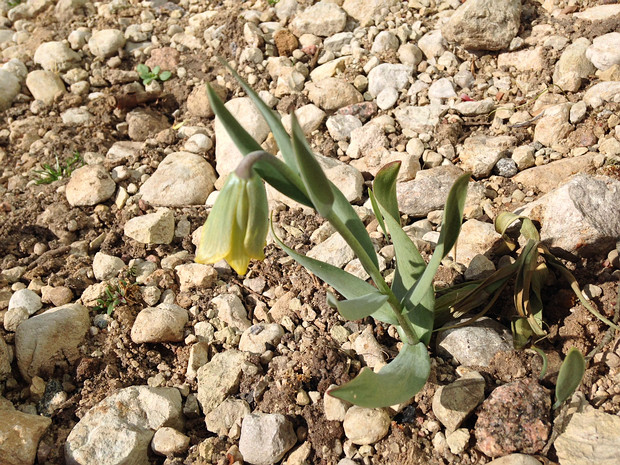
333, 93
231, 311
553, 127
388, 75
120, 427
605, 51
89, 185
169, 441
257, 338
479, 107
144, 123
432, 44
55, 56
334, 251
20, 433
227, 156
226, 418
181, 179
152, 228
385, 41
9, 89
265, 438
44, 85
573, 66
579, 218
515, 459
106, 266
481, 153
53, 336
484, 24
419, 118
441, 89
602, 92
220, 378
368, 12
26, 299
598, 13
335, 409
340, 127
591, 438
106, 42
5, 361
453, 403
14, 317
514, 418
322, 19
480, 267
428, 191
364, 426
164, 323
195, 276
506, 167
475, 344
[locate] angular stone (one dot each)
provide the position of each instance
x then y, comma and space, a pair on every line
181, 179
368, 12
53, 336
152, 228
106, 266
573, 66
602, 92
120, 427
334, 251
195, 276
481, 153
322, 19
515, 418
475, 344
598, 13
484, 24
419, 119
388, 75
477, 237
266, 438
9, 89
545, 178
333, 93
524, 60
605, 51
580, 218
553, 127
164, 323
257, 338
169, 441
453, 403
20, 434
220, 378
144, 123
26, 299
89, 185
226, 418
428, 191
55, 56
591, 438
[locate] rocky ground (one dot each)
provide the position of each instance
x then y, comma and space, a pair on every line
116, 348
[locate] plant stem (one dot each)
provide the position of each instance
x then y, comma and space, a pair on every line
375, 275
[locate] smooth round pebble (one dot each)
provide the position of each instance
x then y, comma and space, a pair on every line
169, 441
365, 425
26, 299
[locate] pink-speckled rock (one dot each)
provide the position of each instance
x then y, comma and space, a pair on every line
515, 418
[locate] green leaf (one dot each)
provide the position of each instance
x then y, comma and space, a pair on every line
396, 382
384, 187
281, 178
569, 377
147, 81
359, 307
521, 333
142, 69
450, 229
156, 70
272, 118
345, 283
314, 178
505, 219
165, 75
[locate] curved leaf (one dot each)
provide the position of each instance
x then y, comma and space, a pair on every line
345, 283
384, 188
569, 377
396, 382
359, 307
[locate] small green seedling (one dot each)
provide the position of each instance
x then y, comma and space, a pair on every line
149, 75
50, 174
115, 295
13, 3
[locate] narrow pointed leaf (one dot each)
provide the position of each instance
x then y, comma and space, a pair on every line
384, 188
377, 211
314, 178
345, 283
569, 377
359, 307
521, 333
451, 227
272, 118
396, 382
281, 178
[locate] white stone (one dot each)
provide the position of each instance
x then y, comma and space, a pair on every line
335, 409
89, 185
169, 441
553, 127
220, 378
442, 89
602, 92
605, 51
152, 228
44, 85
55, 56
231, 311
106, 266
226, 418
14, 317
9, 89
265, 438
364, 426
195, 276
334, 251
164, 323
106, 42
573, 66
322, 19
454, 402
26, 299
258, 337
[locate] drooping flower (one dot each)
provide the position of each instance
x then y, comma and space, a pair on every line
236, 229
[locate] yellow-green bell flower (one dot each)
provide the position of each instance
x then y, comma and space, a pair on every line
236, 229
